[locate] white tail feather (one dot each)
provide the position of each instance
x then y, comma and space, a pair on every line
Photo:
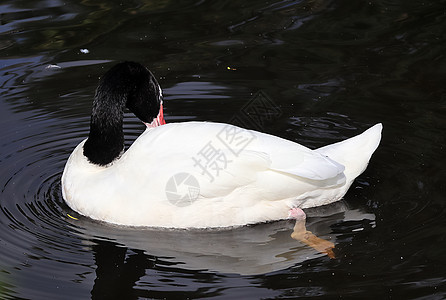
354, 153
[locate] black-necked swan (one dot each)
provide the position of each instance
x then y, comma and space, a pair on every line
197, 174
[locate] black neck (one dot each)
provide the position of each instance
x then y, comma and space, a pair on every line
126, 84
106, 139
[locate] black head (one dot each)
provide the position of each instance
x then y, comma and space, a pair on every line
137, 85
127, 84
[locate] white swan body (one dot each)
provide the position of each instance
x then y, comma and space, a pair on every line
202, 175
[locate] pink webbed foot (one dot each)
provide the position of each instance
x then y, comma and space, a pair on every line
297, 213
301, 234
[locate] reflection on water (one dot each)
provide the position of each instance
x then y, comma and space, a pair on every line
249, 250
331, 68
130, 260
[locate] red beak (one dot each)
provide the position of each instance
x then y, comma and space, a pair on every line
160, 117
159, 120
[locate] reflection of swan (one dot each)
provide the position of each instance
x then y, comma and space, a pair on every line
197, 174
249, 250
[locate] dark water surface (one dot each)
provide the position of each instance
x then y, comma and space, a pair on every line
331, 69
